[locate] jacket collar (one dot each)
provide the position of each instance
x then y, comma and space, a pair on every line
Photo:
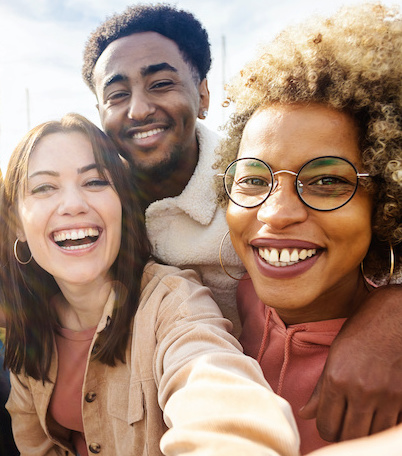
107, 311
198, 199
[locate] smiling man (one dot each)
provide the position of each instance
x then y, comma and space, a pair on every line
148, 100
148, 68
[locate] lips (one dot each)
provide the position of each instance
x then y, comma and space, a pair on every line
76, 239
285, 258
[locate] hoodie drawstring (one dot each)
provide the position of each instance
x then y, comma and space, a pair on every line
264, 336
288, 340
286, 358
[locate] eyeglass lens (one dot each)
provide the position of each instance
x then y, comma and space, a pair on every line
324, 183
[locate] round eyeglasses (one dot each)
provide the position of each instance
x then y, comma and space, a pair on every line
323, 183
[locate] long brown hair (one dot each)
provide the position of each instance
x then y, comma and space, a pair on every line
26, 289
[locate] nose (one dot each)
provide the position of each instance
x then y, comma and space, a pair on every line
140, 106
283, 207
72, 202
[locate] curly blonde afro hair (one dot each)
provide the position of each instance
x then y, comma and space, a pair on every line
351, 62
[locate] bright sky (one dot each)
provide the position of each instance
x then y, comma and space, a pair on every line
41, 45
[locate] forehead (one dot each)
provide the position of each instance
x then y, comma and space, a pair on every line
61, 150
128, 55
299, 133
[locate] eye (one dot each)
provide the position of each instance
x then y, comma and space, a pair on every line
252, 181
329, 185
161, 84
43, 189
97, 183
330, 180
117, 96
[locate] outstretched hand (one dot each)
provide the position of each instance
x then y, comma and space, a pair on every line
360, 390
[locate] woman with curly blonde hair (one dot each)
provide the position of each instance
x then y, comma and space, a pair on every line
312, 168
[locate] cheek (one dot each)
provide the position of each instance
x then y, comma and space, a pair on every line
118, 228
240, 222
351, 230
115, 215
110, 121
361, 220
31, 222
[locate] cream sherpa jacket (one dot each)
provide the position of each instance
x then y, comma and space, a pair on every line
186, 230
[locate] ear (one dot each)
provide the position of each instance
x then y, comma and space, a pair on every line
204, 98
15, 222
21, 235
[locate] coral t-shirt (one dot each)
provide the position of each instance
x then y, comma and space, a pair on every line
65, 404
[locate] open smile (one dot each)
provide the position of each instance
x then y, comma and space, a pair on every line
76, 239
285, 257
147, 134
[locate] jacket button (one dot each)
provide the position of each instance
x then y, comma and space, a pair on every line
94, 448
90, 397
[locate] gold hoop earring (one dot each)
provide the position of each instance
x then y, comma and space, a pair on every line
221, 260
16, 254
392, 264
392, 258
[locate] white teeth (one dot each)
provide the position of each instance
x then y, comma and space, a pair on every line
273, 256
303, 254
285, 257
147, 134
78, 247
294, 256
75, 234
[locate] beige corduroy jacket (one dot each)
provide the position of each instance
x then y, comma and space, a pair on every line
180, 359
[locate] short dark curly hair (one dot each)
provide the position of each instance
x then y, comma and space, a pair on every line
351, 62
178, 25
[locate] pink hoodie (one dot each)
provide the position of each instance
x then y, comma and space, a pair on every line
292, 357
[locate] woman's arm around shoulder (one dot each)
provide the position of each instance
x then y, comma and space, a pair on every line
360, 390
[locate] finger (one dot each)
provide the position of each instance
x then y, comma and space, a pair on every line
357, 421
330, 415
384, 419
309, 410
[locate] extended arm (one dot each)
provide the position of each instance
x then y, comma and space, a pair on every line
388, 442
215, 399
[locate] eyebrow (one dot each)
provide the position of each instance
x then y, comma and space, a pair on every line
113, 79
151, 69
87, 168
145, 71
82, 170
